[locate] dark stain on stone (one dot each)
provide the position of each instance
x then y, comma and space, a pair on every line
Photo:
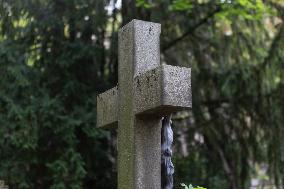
151, 31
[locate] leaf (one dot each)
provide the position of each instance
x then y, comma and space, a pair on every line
181, 5
143, 4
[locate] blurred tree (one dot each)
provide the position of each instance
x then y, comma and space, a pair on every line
54, 60
57, 55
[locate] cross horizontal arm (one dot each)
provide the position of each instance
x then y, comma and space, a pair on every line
163, 90
107, 106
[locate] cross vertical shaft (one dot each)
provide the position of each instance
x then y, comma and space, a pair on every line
139, 157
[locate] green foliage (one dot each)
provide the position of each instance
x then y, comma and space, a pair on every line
247, 9
56, 56
143, 4
47, 98
191, 187
181, 5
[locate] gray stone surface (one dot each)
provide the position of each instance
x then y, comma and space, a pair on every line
163, 90
126, 132
147, 91
137, 142
148, 153
146, 46
107, 108
176, 87
2, 185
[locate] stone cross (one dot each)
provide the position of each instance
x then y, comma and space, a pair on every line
146, 92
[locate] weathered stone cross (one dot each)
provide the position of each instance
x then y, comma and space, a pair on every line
146, 92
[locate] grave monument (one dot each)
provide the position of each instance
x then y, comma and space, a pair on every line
147, 92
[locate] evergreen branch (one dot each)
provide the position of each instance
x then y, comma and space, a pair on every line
192, 29
274, 45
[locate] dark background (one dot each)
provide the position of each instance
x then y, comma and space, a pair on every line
57, 55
